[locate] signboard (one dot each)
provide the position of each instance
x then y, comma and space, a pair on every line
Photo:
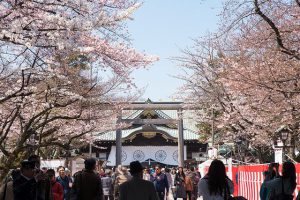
278, 155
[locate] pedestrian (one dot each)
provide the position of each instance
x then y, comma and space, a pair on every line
146, 175
64, 181
195, 183
71, 180
215, 184
188, 185
87, 183
180, 184
173, 187
270, 174
57, 188
161, 184
121, 177
107, 185
284, 186
137, 188
25, 185
44, 191
169, 177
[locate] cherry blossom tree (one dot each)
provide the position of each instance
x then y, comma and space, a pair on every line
64, 65
258, 71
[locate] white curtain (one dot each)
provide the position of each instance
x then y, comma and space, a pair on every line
164, 154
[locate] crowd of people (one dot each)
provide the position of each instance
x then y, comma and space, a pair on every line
136, 183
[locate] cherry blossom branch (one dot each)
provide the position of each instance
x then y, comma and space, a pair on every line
279, 40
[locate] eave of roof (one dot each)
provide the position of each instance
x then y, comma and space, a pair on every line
173, 133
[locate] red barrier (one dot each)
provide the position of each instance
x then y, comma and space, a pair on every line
247, 179
251, 177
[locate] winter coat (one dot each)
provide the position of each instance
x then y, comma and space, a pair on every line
65, 184
188, 184
160, 182
137, 189
87, 186
180, 186
57, 191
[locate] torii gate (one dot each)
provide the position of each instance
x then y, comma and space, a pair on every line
153, 106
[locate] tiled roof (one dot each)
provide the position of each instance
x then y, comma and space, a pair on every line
189, 133
111, 135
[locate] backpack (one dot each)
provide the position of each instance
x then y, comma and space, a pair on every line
282, 195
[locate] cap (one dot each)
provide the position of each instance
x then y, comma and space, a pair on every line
136, 167
28, 164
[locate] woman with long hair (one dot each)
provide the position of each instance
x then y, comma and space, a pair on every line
215, 184
180, 184
284, 185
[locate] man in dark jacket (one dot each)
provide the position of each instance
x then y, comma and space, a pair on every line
137, 188
43, 182
25, 185
161, 184
87, 184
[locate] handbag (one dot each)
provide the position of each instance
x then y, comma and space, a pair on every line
282, 195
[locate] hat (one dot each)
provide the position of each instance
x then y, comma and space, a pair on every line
28, 164
136, 167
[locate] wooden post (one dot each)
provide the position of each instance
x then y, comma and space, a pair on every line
180, 139
119, 143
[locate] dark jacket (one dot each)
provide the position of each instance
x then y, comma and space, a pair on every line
137, 189
24, 189
87, 186
160, 182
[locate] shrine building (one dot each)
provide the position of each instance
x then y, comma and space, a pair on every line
153, 136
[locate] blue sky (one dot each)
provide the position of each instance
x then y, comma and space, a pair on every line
162, 28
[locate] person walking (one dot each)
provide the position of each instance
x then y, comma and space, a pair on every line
121, 177
107, 185
64, 181
147, 175
25, 185
270, 174
57, 188
44, 191
188, 186
173, 187
87, 184
284, 186
137, 188
215, 184
180, 184
161, 184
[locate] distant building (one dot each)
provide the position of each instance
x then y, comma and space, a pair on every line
150, 143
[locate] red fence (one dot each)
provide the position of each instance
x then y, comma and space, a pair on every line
247, 179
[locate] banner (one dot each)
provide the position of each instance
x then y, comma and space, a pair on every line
167, 155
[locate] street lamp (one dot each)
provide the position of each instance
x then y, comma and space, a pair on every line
283, 133
31, 142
